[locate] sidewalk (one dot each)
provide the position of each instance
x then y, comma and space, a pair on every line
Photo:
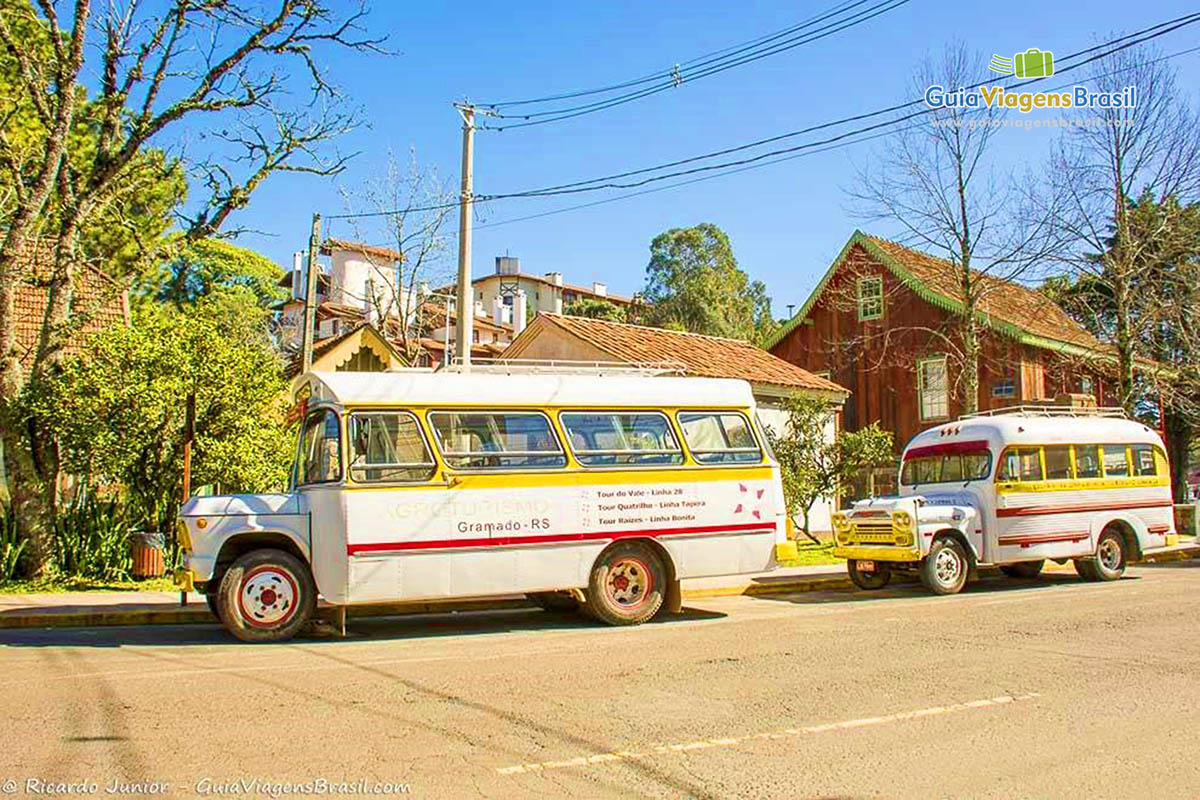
88, 609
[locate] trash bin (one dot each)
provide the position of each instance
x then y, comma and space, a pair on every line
146, 548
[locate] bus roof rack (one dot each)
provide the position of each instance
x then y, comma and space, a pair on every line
1051, 410
532, 366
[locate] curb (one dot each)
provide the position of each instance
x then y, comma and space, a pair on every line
199, 614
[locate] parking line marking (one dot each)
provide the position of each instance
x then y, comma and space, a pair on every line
707, 744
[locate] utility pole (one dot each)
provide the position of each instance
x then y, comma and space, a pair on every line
310, 295
464, 331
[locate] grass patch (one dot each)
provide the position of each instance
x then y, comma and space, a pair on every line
812, 555
57, 585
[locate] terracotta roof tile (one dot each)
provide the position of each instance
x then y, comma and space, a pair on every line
702, 356
94, 293
362, 248
1003, 300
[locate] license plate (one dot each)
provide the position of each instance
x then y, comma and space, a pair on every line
866, 566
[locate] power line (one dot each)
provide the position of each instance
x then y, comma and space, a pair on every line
668, 72
678, 79
595, 184
771, 162
1182, 21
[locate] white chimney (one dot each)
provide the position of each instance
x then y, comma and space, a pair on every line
518, 312
498, 310
299, 274
555, 278
599, 289
558, 304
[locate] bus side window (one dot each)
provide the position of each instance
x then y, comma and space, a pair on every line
1022, 464
717, 437
1115, 463
1143, 460
1058, 463
1087, 461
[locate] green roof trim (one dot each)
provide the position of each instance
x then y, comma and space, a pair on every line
922, 290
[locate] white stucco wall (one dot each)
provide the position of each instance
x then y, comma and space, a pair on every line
773, 416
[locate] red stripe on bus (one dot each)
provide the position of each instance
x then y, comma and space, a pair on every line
948, 449
1026, 511
499, 541
1158, 528
1049, 538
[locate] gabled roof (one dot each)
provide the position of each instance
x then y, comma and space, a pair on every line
615, 299
700, 356
329, 353
1005, 307
96, 294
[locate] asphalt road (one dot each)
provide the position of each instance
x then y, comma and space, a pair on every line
1053, 688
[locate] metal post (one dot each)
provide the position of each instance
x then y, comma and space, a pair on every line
310, 295
466, 308
189, 433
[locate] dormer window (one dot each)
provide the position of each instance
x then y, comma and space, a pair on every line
870, 298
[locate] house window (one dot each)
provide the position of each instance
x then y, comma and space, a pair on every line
870, 298
1006, 387
933, 388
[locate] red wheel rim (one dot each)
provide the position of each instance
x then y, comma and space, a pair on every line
629, 583
268, 596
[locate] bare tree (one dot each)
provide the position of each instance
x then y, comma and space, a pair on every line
935, 182
407, 206
242, 75
1099, 170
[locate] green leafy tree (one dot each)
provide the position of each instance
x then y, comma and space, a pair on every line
693, 283
595, 309
209, 266
120, 412
92, 96
812, 465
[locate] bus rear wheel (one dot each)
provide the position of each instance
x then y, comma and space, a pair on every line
627, 585
1108, 564
869, 581
267, 596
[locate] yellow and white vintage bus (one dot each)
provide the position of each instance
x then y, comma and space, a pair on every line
1014, 488
599, 490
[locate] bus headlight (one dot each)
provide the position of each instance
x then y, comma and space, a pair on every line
840, 522
901, 520
904, 539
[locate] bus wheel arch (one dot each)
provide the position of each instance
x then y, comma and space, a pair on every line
629, 581
239, 544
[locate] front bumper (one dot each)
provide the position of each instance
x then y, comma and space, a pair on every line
185, 579
874, 553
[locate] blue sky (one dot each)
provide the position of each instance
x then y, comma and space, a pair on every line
786, 221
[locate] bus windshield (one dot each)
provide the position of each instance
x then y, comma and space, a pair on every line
950, 468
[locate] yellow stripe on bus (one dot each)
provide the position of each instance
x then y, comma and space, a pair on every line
530, 480
1082, 484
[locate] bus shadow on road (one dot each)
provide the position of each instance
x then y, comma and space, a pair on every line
362, 629
911, 589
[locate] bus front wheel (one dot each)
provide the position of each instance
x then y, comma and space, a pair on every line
869, 581
945, 569
267, 596
627, 585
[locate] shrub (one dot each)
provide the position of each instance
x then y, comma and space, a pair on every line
91, 540
12, 548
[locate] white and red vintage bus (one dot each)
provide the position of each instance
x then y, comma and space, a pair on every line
604, 490
1015, 488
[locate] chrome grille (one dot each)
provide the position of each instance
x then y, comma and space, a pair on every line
873, 532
